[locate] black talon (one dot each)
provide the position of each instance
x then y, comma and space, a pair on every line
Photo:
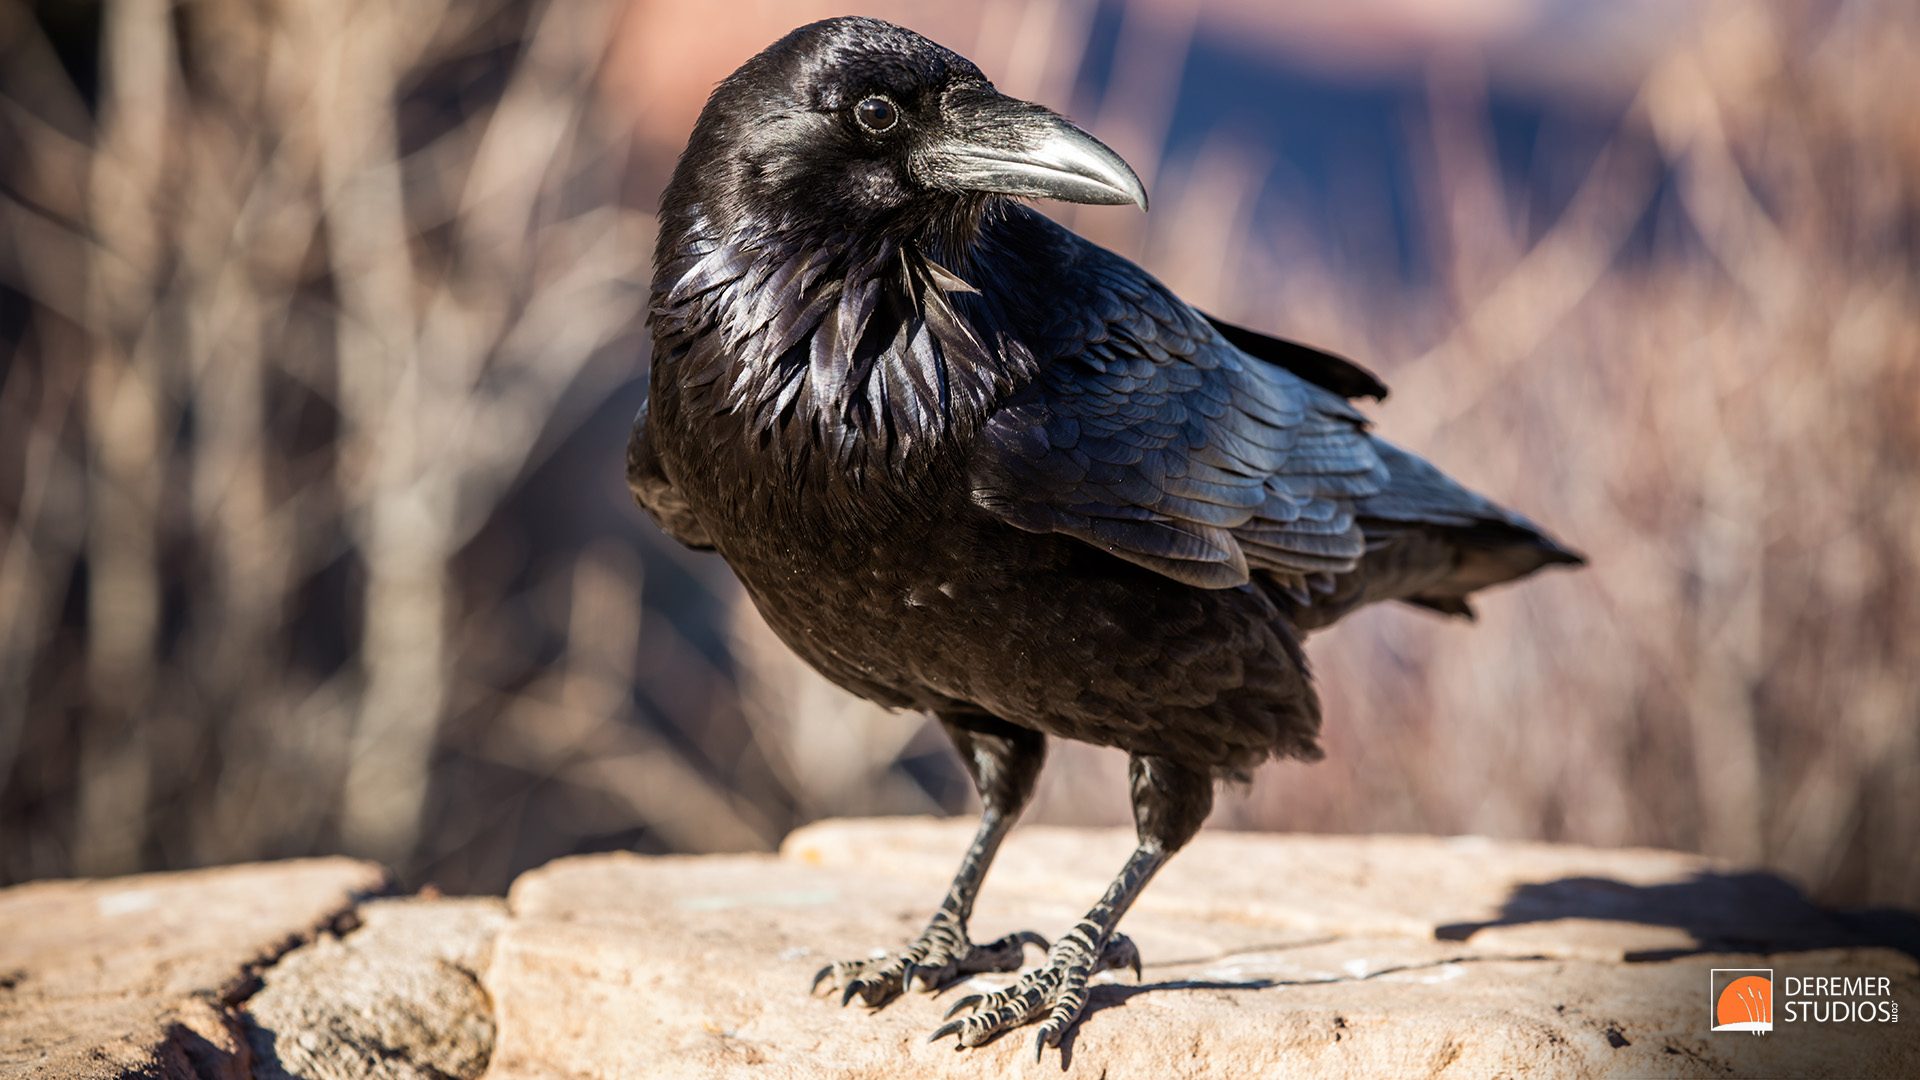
945, 1030
968, 1002
852, 989
1054, 1029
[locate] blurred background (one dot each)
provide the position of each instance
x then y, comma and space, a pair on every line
322, 323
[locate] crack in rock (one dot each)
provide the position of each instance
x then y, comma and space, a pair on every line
399, 998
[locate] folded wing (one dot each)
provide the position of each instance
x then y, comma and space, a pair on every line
1150, 436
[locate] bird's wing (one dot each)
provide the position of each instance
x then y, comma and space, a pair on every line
1321, 368
656, 494
1149, 435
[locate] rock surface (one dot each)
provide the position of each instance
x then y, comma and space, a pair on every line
133, 976
1265, 955
399, 998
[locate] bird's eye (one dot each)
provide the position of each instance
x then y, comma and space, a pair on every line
876, 114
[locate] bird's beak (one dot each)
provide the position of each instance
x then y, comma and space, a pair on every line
992, 142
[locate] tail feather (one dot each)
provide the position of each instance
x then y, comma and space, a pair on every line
1483, 544
1490, 555
1433, 543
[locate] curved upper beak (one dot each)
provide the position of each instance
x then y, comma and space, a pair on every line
992, 142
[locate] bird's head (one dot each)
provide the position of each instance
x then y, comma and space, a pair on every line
856, 125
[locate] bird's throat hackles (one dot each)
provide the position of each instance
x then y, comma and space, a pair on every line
865, 352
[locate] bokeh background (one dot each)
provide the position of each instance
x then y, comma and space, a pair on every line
323, 321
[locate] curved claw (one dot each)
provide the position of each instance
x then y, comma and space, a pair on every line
968, 1002
1030, 937
1054, 1028
820, 977
853, 988
1040, 1045
945, 1030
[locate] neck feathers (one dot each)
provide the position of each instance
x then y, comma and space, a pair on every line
848, 354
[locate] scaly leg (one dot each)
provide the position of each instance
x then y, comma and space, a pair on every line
1169, 803
1004, 761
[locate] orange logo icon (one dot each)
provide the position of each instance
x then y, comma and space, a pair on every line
1742, 999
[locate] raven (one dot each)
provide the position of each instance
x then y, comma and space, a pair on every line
966, 462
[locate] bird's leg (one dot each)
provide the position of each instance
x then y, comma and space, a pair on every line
1169, 803
1004, 761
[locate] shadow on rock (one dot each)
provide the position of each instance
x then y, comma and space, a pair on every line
1749, 912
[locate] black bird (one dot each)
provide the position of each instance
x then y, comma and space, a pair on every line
967, 462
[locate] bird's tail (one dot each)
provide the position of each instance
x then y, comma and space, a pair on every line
1433, 543
1487, 556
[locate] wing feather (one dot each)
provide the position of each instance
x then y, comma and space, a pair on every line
1151, 436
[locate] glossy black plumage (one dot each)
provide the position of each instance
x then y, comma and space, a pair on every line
965, 461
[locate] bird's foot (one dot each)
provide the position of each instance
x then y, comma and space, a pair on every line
1056, 990
941, 954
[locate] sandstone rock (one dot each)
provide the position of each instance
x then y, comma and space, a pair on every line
132, 976
398, 998
1267, 955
